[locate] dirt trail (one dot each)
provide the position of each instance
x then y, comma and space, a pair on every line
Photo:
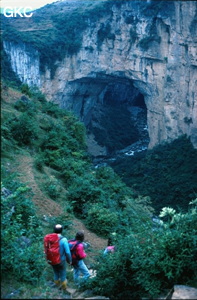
24, 167
97, 244
46, 206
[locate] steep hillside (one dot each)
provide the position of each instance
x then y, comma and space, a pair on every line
19, 161
47, 177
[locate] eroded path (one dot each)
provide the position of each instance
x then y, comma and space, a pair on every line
46, 206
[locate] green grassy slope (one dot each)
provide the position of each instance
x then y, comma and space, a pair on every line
46, 170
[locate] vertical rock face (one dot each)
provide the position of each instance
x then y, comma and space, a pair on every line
24, 62
157, 53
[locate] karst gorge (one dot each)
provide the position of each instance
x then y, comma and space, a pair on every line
99, 122
132, 49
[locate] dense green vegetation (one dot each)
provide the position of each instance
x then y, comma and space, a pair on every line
147, 260
21, 250
149, 257
167, 173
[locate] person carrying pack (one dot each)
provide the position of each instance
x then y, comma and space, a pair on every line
57, 252
78, 254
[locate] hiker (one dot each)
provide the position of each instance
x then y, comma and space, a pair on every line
78, 254
110, 247
62, 255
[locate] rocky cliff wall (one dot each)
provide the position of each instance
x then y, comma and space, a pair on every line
156, 52
24, 62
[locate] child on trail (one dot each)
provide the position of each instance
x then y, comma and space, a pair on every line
78, 254
110, 247
63, 251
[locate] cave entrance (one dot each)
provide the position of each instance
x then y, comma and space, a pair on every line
118, 121
113, 111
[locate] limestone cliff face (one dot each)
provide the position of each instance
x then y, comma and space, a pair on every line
24, 62
158, 54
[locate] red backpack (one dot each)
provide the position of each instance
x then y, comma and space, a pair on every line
52, 248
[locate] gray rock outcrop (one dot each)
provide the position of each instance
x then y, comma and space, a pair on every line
184, 292
156, 53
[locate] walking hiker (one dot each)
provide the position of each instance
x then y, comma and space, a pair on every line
77, 247
110, 247
57, 252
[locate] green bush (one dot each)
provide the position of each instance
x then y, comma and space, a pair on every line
25, 105
65, 139
101, 220
24, 129
39, 162
52, 188
51, 109
115, 191
25, 89
147, 262
21, 249
72, 168
37, 95
82, 191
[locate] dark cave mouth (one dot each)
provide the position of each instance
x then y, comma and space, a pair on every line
112, 109
119, 120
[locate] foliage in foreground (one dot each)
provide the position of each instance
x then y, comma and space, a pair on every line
21, 250
150, 260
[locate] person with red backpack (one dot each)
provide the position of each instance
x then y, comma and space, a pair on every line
57, 253
78, 254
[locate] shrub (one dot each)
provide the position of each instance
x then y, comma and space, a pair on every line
83, 190
22, 253
38, 95
101, 220
52, 188
51, 109
147, 262
24, 129
39, 162
25, 105
25, 89
72, 168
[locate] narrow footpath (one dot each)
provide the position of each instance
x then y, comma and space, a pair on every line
23, 166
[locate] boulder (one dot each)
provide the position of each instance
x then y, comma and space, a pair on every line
184, 292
